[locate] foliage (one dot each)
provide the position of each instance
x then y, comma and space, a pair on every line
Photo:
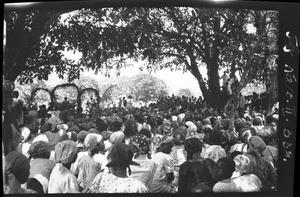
146, 87
168, 37
25, 91
185, 92
142, 87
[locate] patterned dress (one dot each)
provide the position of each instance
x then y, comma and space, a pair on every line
106, 182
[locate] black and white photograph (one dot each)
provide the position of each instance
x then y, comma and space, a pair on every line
172, 97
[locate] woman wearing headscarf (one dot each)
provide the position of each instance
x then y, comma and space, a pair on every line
89, 162
117, 180
25, 145
260, 167
164, 174
223, 171
16, 173
196, 174
215, 151
145, 171
243, 137
61, 179
178, 152
40, 164
129, 129
245, 182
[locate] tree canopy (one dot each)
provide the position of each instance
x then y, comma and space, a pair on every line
185, 38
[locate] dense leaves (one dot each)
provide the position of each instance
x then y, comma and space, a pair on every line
179, 38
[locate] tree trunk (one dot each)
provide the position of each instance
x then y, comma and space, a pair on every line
214, 83
202, 84
272, 89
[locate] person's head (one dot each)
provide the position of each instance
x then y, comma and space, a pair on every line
130, 127
166, 144
245, 134
257, 121
224, 169
141, 145
39, 149
216, 137
120, 157
179, 136
268, 134
145, 132
101, 125
72, 135
192, 146
106, 135
15, 94
242, 163
66, 153
46, 127
116, 137
91, 143
81, 136
256, 144
17, 168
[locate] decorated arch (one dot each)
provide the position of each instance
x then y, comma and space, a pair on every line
43, 97
66, 90
88, 97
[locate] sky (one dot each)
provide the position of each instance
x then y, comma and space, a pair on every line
175, 80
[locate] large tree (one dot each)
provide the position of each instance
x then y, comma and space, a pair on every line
175, 37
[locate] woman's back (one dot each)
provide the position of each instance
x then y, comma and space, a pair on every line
193, 172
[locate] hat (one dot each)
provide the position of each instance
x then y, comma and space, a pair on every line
82, 134
65, 151
116, 137
174, 118
25, 132
91, 141
39, 149
256, 143
17, 164
121, 155
241, 163
41, 137
167, 130
106, 134
141, 142
93, 130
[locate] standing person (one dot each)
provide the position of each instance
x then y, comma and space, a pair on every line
223, 172
120, 102
196, 174
124, 102
117, 180
255, 101
178, 152
65, 104
145, 171
18, 105
61, 179
242, 102
224, 78
259, 166
164, 175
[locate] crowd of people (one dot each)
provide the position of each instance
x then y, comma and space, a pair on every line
176, 145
